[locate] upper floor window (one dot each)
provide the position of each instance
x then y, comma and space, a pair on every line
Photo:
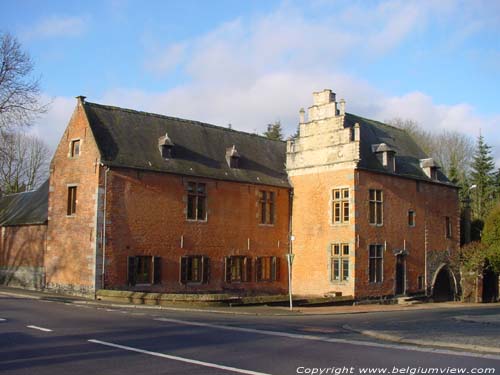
448, 227
267, 268
376, 207
339, 262
71, 206
411, 218
195, 269
196, 202
266, 207
376, 257
238, 269
75, 148
340, 206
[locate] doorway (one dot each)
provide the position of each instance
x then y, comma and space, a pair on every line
400, 274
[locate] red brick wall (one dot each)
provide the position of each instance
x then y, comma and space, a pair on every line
432, 203
21, 255
71, 243
146, 215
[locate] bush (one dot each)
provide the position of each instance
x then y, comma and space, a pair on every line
491, 238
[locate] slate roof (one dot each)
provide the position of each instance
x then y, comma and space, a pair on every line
25, 208
408, 153
128, 138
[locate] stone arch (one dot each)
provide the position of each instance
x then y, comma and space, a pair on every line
444, 284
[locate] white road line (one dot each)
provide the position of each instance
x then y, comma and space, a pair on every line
180, 359
333, 340
40, 328
2, 320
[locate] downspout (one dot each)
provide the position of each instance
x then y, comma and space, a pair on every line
290, 249
103, 239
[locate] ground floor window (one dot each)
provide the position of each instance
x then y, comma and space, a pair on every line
195, 269
267, 268
238, 269
144, 269
376, 263
339, 262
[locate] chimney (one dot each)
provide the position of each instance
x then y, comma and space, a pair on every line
81, 99
302, 116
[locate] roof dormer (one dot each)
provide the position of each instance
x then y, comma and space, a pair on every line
430, 167
232, 157
165, 145
386, 155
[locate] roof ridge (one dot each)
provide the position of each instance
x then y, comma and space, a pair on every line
193, 122
19, 192
379, 122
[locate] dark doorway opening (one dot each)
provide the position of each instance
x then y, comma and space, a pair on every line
400, 274
490, 285
444, 286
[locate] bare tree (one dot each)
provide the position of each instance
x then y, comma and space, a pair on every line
24, 161
19, 89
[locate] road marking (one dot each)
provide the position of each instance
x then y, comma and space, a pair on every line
333, 340
2, 320
40, 328
180, 359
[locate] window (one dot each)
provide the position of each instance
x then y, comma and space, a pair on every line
339, 262
376, 263
71, 209
195, 269
448, 226
75, 148
411, 218
420, 282
376, 207
196, 205
238, 269
340, 205
267, 268
267, 207
144, 270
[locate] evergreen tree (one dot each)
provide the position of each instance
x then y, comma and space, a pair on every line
482, 177
274, 131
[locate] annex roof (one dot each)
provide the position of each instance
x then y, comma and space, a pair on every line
25, 208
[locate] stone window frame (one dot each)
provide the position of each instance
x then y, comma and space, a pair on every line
342, 202
378, 207
188, 196
274, 269
72, 142
154, 270
380, 279
412, 218
341, 257
238, 269
185, 276
267, 204
71, 207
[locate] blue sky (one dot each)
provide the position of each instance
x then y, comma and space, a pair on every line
249, 63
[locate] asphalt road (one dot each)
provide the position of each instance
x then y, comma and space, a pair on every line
45, 337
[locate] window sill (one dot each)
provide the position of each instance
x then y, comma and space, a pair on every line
376, 225
343, 224
74, 215
197, 221
266, 225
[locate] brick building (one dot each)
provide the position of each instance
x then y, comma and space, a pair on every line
147, 202
372, 214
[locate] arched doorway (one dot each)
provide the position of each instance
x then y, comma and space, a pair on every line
444, 285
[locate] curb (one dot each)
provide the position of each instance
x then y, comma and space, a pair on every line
434, 344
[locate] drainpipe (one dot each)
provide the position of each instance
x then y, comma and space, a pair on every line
103, 239
290, 250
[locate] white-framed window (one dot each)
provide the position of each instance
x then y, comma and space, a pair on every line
339, 262
340, 206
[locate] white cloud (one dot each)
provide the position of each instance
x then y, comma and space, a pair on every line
166, 60
57, 26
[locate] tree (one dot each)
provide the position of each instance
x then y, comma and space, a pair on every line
24, 161
491, 238
274, 131
19, 90
482, 177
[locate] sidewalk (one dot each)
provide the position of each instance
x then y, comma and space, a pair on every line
239, 310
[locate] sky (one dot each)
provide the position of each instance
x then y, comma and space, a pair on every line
251, 63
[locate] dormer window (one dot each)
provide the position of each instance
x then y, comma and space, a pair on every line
430, 168
232, 157
165, 146
386, 156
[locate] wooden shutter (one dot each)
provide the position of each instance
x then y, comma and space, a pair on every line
183, 270
206, 269
248, 269
131, 270
156, 270
258, 268
275, 272
227, 268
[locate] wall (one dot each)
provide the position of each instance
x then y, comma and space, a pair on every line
21, 255
146, 215
71, 243
425, 243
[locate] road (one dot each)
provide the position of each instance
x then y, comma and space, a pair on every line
47, 337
